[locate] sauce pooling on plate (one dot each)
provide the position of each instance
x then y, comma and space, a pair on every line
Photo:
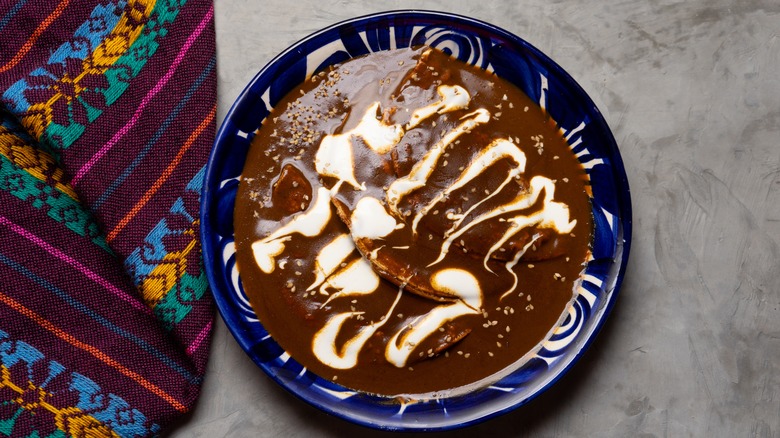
407, 224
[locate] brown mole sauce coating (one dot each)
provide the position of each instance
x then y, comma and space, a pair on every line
279, 175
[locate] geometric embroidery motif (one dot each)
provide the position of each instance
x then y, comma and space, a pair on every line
167, 269
32, 175
38, 394
89, 73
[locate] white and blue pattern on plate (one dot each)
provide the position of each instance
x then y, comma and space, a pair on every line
479, 44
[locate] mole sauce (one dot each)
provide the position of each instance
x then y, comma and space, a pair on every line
407, 224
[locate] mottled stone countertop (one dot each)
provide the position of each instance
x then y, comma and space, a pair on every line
691, 90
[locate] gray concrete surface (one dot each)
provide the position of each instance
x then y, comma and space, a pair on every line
691, 90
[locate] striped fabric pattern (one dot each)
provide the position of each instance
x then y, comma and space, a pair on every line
107, 116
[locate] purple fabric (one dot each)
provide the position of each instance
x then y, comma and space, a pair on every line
107, 118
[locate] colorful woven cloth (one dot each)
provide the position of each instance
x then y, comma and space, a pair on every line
106, 122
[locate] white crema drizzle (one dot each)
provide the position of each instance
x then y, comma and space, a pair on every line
333, 273
553, 215
371, 221
452, 98
334, 156
423, 169
497, 150
324, 342
455, 282
309, 223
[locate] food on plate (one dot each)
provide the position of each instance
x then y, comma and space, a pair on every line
409, 224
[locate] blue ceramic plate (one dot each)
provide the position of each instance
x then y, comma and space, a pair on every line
480, 44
